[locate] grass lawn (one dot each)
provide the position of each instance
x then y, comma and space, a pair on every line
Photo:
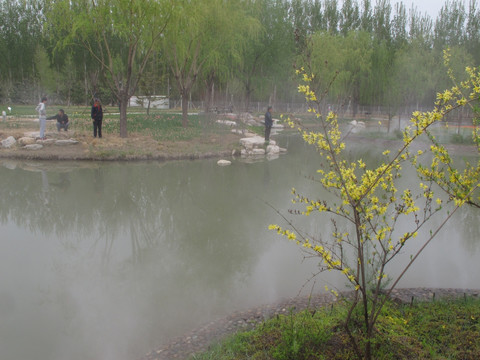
432, 330
159, 135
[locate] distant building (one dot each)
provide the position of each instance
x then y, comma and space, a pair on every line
156, 102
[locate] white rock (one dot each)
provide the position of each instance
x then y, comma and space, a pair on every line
226, 122
224, 162
273, 149
276, 124
66, 142
230, 115
11, 165
356, 123
26, 140
252, 142
45, 142
272, 157
252, 122
8, 142
283, 150
244, 152
33, 134
258, 152
240, 131
245, 117
33, 147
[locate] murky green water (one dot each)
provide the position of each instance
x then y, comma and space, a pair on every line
109, 260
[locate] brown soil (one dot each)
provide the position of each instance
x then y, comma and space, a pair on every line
112, 146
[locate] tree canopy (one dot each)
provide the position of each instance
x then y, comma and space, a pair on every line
240, 51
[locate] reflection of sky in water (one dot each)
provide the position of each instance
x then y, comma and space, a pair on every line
108, 260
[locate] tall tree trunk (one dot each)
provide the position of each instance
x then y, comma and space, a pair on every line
185, 108
248, 93
123, 102
210, 91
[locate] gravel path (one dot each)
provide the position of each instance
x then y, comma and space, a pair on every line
199, 339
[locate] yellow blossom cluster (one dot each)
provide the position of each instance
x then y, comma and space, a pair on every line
369, 199
330, 260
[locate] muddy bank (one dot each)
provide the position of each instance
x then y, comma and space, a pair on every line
200, 339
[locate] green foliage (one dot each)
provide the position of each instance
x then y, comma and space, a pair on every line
432, 330
119, 35
460, 139
284, 337
192, 43
398, 134
162, 127
166, 127
19, 34
259, 130
385, 53
301, 334
447, 329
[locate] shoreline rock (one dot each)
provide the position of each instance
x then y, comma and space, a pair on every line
256, 146
224, 162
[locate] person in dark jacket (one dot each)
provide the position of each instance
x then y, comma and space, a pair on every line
97, 117
268, 124
62, 120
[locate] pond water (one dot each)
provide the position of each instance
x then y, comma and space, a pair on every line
110, 260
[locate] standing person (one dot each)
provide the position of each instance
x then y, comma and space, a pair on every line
268, 124
42, 116
62, 120
97, 117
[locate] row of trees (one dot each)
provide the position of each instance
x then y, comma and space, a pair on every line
384, 53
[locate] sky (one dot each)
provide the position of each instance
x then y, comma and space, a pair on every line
431, 7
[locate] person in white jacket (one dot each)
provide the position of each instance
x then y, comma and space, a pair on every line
42, 116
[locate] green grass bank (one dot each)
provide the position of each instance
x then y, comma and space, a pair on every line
442, 329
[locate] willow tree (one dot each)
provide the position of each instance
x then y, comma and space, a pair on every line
347, 59
20, 34
120, 35
201, 30
267, 59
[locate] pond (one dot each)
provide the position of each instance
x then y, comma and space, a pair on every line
102, 260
